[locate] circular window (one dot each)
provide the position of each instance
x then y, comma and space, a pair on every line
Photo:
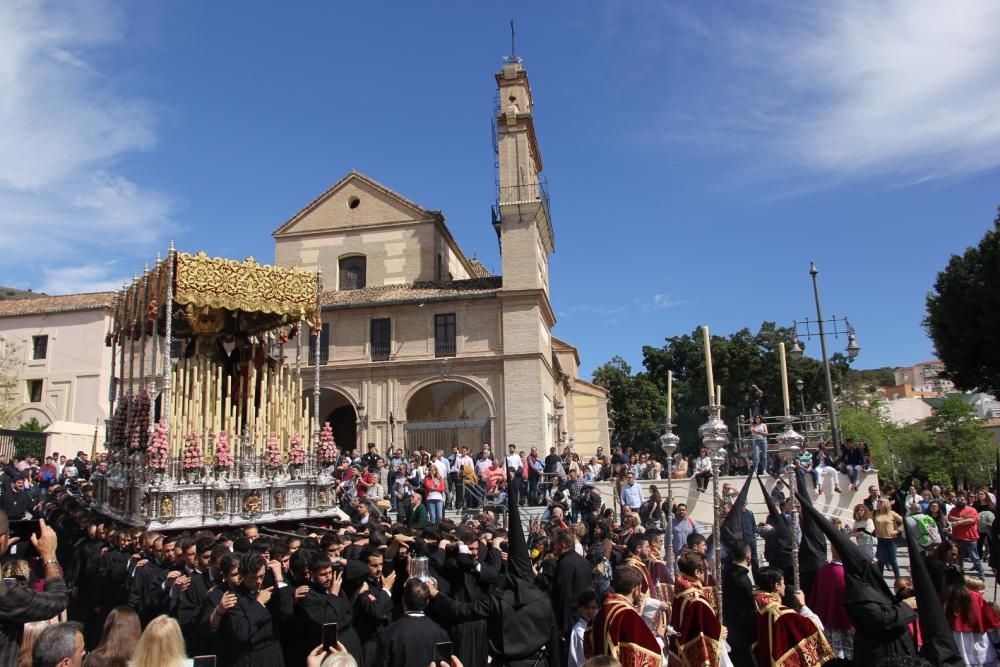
353, 202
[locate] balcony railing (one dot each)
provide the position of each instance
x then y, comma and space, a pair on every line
444, 348
524, 193
380, 352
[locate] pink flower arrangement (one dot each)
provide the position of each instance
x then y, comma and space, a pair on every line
272, 456
296, 452
159, 448
327, 446
223, 455
191, 457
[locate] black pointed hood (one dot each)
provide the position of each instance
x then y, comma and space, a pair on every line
732, 528
782, 535
812, 548
939, 643
854, 560
518, 558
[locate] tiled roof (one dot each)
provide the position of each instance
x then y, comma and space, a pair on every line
478, 269
412, 293
56, 304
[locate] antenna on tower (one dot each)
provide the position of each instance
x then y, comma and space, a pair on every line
512, 58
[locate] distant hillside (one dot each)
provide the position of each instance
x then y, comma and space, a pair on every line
880, 377
11, 294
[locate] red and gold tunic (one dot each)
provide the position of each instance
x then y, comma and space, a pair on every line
620, 632
698, 641
786, 638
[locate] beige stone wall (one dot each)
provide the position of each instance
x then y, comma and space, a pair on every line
399, 254
589, 423
76, 372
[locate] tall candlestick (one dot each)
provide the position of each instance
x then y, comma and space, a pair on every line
670, 396
708, 364
784, 378
718, 394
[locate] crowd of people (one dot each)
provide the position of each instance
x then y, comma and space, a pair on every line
586, 584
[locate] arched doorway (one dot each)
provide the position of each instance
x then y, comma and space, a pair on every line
338, 409
447, 414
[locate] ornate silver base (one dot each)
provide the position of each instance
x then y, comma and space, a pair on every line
168, 505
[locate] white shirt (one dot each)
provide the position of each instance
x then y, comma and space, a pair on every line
576, 657
443, 467
703, 464
514, 461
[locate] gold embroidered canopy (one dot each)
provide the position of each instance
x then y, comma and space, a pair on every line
213, 294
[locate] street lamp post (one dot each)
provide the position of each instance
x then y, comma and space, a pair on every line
800, 386
840, 326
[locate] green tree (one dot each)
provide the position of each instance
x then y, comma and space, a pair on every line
963, 315
738, 360
32, 426
961, 450
637, 406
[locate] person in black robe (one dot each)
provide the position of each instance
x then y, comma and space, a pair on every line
738, 607
247, 629
410, 640
520, 621
812, 546
470, 570
373, 607
328, 601
219, 599
573, 576
881, 622
192, 599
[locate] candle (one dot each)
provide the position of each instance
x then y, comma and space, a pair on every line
670, 396
718, 394
784, 378
708, 364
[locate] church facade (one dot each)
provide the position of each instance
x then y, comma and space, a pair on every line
422, 346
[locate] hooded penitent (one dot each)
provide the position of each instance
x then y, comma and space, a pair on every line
881, 624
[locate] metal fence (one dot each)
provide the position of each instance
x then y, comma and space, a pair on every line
445, 435
814, 427
22, 443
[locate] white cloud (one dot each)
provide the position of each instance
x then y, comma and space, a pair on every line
899, 87
659, 301
87, 278
64, 125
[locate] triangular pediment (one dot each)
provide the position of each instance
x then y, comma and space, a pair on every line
354, 201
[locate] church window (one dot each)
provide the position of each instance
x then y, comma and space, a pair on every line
444, 335
39, 347
352, 272
381, 339
35, 391
324, 346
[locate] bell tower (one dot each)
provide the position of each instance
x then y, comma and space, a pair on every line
526, 238
521, 219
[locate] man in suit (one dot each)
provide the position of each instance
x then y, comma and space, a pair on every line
738, 609
82, 467
573, 576
411, 639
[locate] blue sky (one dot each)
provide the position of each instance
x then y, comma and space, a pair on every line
698, 157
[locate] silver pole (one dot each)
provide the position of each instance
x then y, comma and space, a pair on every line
714, 436
834, 422
316, 358
168, 315
790, 443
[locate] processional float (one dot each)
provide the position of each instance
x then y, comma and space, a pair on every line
210, 421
